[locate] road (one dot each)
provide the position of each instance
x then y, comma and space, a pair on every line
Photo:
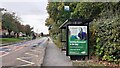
28, 53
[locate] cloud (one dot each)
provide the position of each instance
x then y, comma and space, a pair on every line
23, 0
26, 7
36, 21
32, 13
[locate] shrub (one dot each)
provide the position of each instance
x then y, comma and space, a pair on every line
107, 36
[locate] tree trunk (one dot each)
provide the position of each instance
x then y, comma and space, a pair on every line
17, 35
9, 31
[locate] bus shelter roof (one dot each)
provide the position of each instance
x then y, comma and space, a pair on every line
75, 21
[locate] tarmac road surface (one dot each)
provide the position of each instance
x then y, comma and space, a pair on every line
29, 53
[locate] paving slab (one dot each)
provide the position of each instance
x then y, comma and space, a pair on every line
55, 57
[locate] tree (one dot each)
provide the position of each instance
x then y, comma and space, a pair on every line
27, 29
104, 30
8, 22
11, 23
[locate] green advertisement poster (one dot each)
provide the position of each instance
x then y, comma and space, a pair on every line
77, 40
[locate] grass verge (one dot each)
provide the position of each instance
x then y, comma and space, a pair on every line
9, 40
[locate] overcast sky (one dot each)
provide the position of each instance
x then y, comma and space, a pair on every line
32, 12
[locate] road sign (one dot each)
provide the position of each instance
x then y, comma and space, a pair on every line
66, 8
77, 40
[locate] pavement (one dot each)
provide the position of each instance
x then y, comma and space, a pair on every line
55, 57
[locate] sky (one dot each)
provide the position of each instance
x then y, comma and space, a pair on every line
32, 12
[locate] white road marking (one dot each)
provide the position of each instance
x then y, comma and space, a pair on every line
25, 61
25, 57
6, 53
26, 65
33, 50
40, 51
31, 54
25, 44
9, 52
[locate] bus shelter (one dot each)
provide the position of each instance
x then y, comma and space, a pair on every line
74, 38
